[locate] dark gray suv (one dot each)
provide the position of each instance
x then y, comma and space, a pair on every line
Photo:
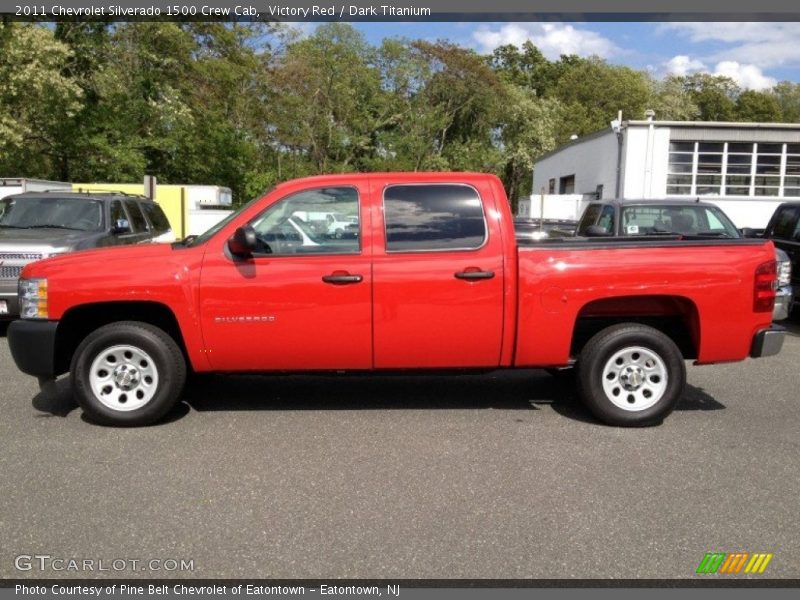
38, 225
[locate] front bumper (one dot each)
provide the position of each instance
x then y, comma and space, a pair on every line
33, 345
768, 342
784, 299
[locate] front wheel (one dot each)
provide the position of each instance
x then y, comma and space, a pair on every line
631, 375
127, 373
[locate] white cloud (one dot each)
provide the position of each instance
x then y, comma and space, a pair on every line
747, 76
553, 39
683, 65
765, 45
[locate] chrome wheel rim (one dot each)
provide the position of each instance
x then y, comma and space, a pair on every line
634, 378
123, 378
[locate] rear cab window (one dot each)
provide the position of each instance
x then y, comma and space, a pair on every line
686, 220
433, 217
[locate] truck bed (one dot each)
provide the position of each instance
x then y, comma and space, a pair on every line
566, 294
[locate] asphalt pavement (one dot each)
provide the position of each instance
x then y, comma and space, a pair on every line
502, 475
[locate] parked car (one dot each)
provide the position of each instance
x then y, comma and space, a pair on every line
784, 230
38, 225
338, 224
685, 218
435, 281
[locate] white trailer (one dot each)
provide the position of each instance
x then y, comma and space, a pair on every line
20, 185
554, 206
206, 206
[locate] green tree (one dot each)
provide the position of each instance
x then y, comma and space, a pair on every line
714, 95
530, 126
593, 91
671, 101
761, 107
787, 94
326, 100
527, 67
36, 98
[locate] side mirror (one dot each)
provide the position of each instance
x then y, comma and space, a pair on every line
243, 242
748, 232
121, 226
597, 231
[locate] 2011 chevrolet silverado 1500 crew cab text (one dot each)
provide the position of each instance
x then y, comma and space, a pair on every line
435, 279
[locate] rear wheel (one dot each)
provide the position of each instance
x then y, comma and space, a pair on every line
127, 373
631, 375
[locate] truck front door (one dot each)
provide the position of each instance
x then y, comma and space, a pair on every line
303, 300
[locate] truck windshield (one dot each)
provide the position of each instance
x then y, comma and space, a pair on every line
685, 220
51, 212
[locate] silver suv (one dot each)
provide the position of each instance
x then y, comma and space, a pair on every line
38, 225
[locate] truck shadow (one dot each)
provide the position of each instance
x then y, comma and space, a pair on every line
4, 328
694, 398
502, 390
512, 390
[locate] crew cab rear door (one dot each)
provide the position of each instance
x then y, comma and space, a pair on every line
302, 301
437, 275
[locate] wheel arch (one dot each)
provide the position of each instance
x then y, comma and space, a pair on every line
80, 321
677, 317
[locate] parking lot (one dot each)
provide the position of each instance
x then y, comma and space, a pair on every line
502, 475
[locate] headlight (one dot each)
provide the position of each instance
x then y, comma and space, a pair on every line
33, 298
784, 273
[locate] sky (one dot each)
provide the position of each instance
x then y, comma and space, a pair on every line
755, 55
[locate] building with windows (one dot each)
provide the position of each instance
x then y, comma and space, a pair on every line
745, 168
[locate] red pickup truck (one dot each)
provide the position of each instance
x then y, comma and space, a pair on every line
431, 278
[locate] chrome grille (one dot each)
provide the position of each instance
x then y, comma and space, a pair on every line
19, 256
10, 272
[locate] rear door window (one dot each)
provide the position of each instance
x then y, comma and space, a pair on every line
589, 218
156, 217
786, 223
138, 222
607, 219
433, 217
117, 213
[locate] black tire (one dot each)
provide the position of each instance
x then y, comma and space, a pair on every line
616, 390
167, 374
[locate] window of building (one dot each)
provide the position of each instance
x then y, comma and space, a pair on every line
551, 186
733, 169
791, 180
566, 185
681, 167
433, 217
